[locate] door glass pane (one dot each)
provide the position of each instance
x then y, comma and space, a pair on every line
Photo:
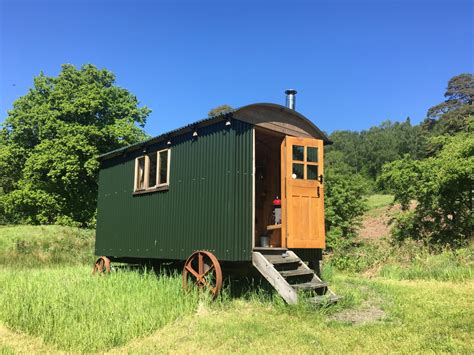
163, 167
312, 154
152, 172
312, 172
298, 152
298, 171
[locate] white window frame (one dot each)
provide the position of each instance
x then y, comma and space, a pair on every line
146, 172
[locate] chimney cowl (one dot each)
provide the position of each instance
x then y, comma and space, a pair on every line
291, 98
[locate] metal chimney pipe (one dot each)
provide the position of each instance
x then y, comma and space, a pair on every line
291, 98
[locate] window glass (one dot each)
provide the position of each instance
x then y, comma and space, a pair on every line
312, 172
312, 154
152, 171
298, 152
163, 174
141, 174
298, 171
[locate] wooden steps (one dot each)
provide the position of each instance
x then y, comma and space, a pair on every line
297, 272
309, 285
289, 275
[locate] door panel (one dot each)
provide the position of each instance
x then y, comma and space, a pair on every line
303, 193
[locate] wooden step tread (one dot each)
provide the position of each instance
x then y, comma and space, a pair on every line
309, 285
324, 299
278, 259
297, 272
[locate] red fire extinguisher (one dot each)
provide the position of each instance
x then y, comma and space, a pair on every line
277, 211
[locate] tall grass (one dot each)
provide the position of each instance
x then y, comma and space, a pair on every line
409, 260
33, 246
449, 265
68, 307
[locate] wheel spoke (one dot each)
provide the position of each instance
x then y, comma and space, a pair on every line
192, 271
201, 263
208, 270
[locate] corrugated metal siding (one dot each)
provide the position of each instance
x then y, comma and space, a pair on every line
208, 205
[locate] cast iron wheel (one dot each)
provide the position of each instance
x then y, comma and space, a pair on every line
102, 265
204, 271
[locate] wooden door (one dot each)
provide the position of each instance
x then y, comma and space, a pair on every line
303, 193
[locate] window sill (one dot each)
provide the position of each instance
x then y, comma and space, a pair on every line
151, 190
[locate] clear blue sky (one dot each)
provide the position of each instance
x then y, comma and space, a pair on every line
354, 63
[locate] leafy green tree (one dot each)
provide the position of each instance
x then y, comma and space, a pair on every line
457, 111
365, 152
344, 206
51, 139
219, 109
440, 187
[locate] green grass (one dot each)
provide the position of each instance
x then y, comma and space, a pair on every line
407, 261
32, 246
73, 310
449, 265
50, 303
419, 317
377, 201
70, 310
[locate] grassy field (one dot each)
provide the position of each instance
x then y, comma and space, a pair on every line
49, 305
37, 246
377, 201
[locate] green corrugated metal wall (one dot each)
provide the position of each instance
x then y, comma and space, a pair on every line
208, 205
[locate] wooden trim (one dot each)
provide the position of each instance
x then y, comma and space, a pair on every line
284, 218
151, 190
167, 168
136, 178
254, 175
273, 227
147, 171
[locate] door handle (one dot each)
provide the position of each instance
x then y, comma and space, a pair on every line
318, 192
320, 178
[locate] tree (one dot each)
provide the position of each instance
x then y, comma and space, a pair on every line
219, 109
441, 187
457, 111
51, 139
344, 206
365, 152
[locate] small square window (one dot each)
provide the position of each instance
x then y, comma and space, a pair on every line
312, 172
298, 152
298, 171
312, 154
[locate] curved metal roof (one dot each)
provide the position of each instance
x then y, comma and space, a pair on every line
257, 113
279, 113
